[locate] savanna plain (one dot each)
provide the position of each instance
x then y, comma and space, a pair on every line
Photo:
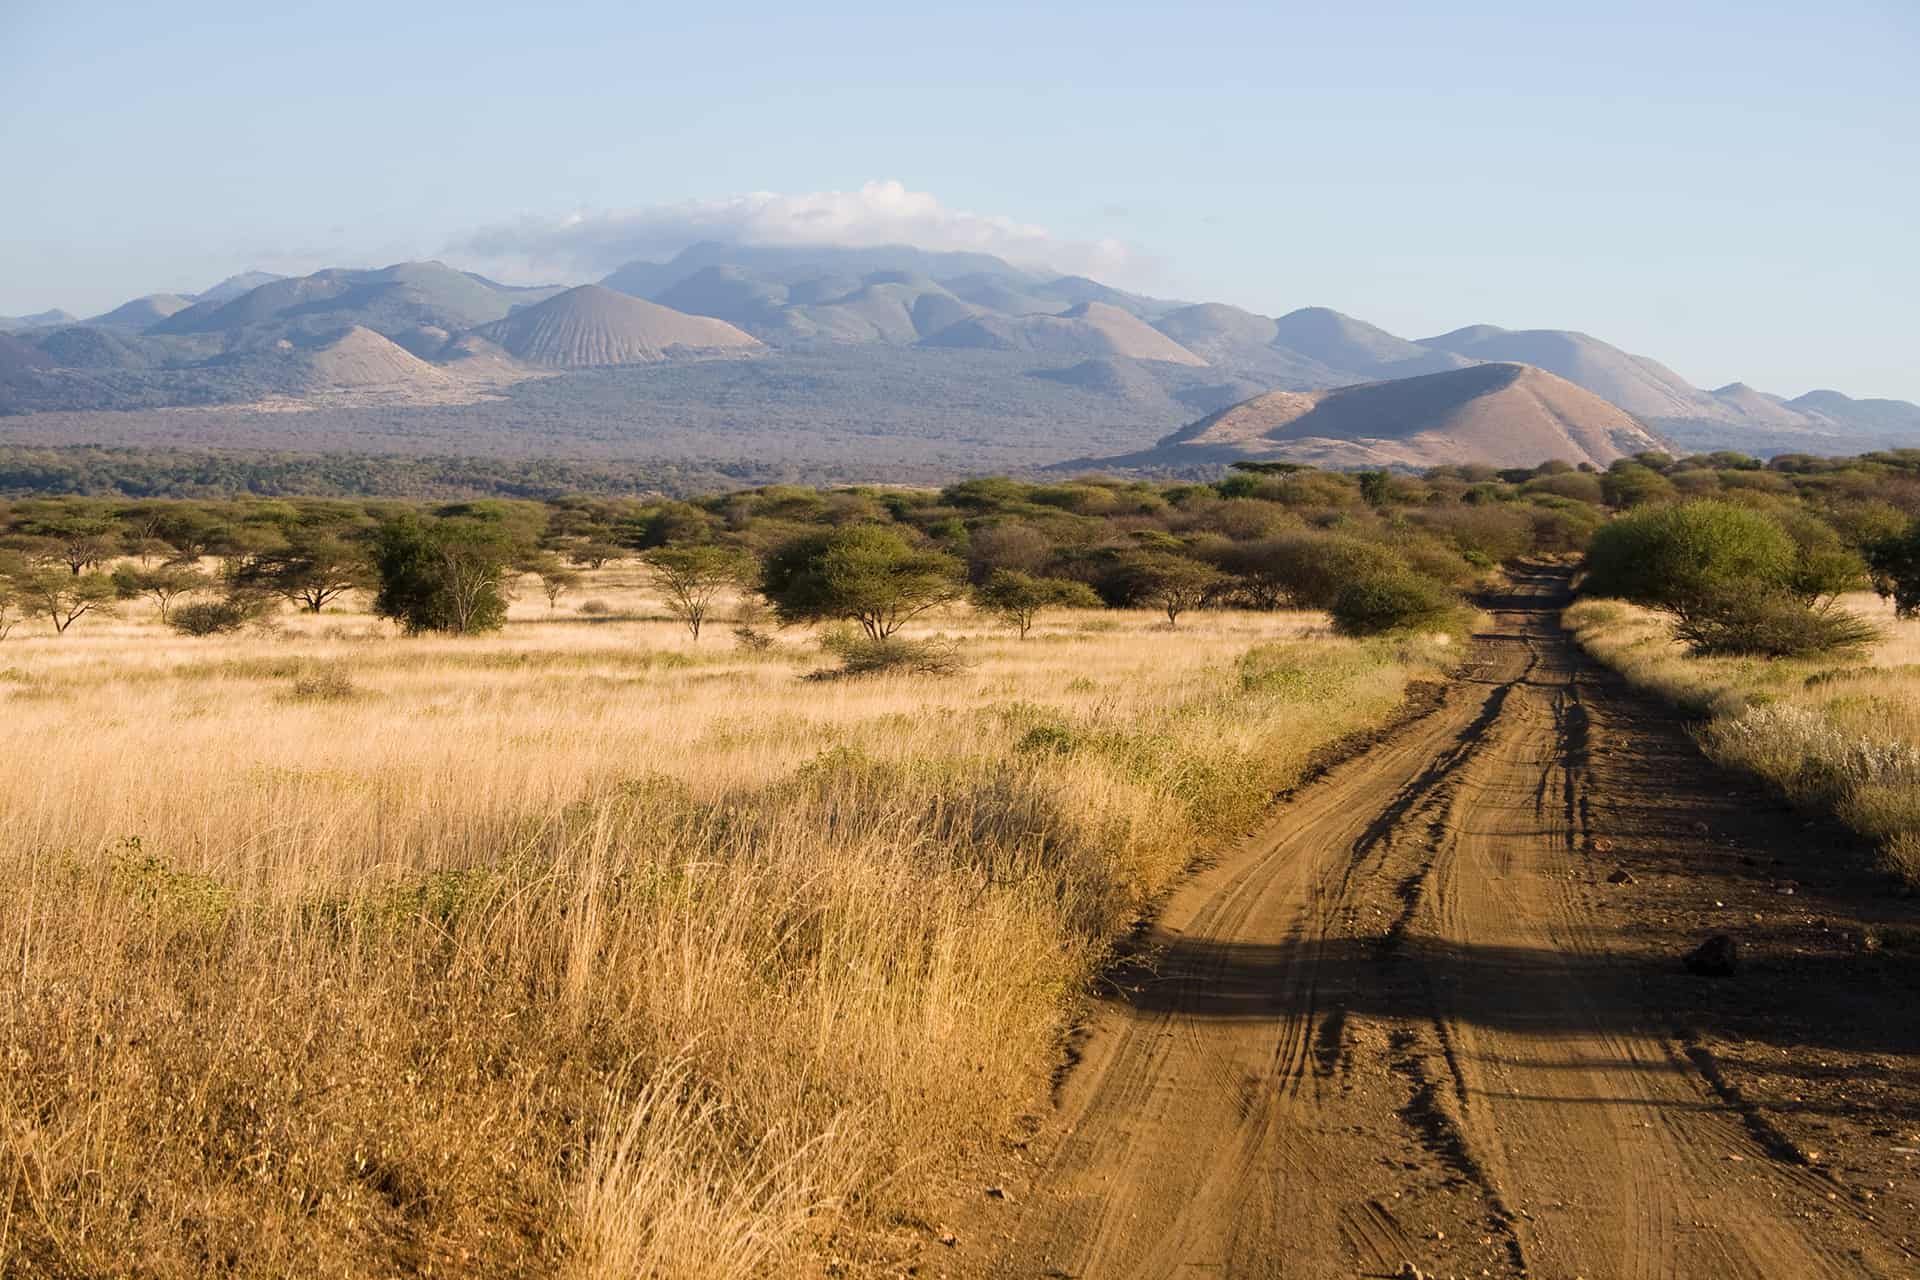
583, 946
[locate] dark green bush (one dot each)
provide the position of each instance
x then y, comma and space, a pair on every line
1381, 602
1771, 624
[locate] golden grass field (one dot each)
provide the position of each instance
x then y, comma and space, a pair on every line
1842, 733
581, 949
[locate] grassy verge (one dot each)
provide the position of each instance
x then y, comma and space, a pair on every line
582, 950
1838, 736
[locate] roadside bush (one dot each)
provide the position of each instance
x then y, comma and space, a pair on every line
1770, 624
1383, 602
1733, 579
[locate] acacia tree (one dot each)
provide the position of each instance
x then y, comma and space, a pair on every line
555, 578
163, 584
691, 579
62, 598
311, 570
80, 539
1017, 598
861, 573
1171, 583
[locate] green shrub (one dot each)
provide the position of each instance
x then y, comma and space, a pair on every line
1770, 624
861, 655
1383, 602
214, 617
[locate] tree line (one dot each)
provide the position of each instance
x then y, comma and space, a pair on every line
1745, 556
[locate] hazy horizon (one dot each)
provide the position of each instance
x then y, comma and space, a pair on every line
1640, 176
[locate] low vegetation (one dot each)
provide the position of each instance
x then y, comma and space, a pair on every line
586, 949
1836, 733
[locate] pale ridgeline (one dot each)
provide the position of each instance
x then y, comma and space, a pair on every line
1841, 734
580, 948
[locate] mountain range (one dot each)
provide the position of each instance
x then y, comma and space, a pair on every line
1311, 384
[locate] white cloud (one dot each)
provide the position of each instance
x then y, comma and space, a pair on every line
588, 245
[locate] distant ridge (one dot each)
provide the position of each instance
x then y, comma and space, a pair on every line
1643, 387
142, 313
594, 326
1499, 414
1090, 329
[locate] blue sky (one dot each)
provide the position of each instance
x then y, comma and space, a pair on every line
1731, 188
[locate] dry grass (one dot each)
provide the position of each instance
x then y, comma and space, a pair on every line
580, 949
1841, 735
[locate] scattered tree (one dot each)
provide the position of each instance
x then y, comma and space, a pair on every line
443, 574
863, 574
1017, 598
555, 580
692, 579
63, 598
164, 583
1170, 583
594, 554
311, 569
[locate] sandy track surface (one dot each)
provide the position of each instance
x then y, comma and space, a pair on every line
1406, 1024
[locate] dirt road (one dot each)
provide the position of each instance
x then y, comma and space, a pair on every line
1413, 1022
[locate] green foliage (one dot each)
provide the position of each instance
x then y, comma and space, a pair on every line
1734, 579
691, 579
1171, 583
163, 582
1018, 598
1669, 557
864, 574
444, 574
1772, 624
1894, 562
861, 654
58, 595
1377, 603
311, 569
1304, 570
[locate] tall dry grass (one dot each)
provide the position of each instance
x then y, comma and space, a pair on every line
1839, 735
580, 949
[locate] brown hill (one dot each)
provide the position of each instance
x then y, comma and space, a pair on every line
1090, 329
592, 325
360, 359
1508, 415
1643, 387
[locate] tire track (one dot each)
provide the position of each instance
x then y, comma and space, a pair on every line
1386, 1031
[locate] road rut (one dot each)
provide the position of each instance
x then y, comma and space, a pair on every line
1389, 1029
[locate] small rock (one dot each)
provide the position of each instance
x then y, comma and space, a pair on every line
1717, 957
1701, 828
949, 1239
1408, 1271
1621, 876
1600, 844
997, 1193
1785, 886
